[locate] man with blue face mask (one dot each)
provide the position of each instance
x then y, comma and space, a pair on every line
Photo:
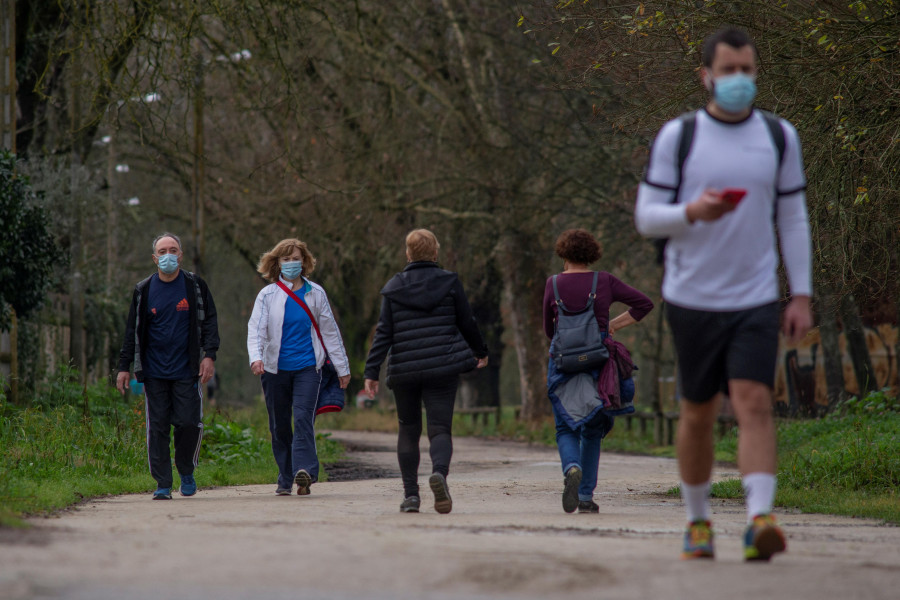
718, 182
171, 323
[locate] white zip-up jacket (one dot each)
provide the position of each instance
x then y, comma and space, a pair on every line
264, 328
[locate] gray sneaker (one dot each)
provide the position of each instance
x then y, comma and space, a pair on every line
442, 501
570, 489
410, 504
283, 491
303, 481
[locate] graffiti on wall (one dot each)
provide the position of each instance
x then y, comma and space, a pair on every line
800, 380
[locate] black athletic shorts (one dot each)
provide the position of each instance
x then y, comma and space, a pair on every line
714, 347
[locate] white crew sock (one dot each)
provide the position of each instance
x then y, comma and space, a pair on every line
759, 491
696, 501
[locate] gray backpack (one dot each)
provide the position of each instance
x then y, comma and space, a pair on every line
577, 344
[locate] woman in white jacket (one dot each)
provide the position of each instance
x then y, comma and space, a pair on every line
287, 352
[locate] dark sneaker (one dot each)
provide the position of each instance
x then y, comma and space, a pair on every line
570, 489
410, 504
162, 494
188, 485
698, 540
588, 506
763, 538
442, 501
283, 491
303, 481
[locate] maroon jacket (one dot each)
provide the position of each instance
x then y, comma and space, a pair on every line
574, 289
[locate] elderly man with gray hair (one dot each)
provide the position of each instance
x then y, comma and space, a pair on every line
172, 337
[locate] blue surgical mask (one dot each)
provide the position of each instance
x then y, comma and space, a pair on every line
734, 93
292, 269
168, 263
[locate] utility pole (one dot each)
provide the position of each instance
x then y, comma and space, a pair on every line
8, 140
199, 243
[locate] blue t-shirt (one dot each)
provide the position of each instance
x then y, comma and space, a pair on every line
168, 330
296, 342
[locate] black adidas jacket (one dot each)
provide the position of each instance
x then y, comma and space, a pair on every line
204, 325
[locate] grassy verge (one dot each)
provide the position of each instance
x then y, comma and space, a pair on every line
845, 463
88, 443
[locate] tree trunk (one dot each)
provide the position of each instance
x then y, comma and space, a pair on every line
896, 378
656, 373
523, 289
76, 283
827, 309
856, 345
482, 387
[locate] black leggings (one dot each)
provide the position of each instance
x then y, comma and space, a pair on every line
438, 396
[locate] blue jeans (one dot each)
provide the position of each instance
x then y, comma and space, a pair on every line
291, 397
581, 448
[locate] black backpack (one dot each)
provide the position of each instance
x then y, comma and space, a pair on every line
577, 344
688, 124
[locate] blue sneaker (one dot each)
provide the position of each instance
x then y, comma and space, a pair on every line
162, 494
188, 485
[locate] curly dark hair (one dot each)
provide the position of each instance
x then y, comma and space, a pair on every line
578, 246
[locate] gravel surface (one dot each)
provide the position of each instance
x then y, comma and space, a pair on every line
507, 537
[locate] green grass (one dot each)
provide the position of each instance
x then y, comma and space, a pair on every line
846, 463
76, 443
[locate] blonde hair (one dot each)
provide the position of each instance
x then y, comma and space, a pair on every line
269, 267
421, 244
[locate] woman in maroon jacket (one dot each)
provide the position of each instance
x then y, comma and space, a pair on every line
579, 446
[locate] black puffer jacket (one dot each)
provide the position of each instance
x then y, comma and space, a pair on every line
427, 325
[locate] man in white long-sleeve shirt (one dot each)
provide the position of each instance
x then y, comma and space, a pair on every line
718, 204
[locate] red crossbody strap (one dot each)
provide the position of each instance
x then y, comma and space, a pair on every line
304, 307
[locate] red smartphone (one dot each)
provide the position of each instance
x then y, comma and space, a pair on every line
733, 195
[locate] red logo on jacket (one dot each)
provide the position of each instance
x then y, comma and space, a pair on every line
182, 305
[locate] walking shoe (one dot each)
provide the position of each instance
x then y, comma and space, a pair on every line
763, 538
303, 481
283, 491
188, 485
698, 540
410, 504
442, 501
588, 506
162, 494
570, 489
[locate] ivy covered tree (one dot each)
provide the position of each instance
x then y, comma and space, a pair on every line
28, 250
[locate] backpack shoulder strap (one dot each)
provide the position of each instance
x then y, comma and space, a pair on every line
201, 310
685, 140
559, 301
773, 123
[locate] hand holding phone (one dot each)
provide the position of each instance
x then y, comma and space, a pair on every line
733, 195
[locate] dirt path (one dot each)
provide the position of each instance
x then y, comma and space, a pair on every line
507, 537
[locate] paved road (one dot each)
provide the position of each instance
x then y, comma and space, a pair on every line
507, 537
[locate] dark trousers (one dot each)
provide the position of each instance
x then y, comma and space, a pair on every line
173, 403
438, 396
291, 398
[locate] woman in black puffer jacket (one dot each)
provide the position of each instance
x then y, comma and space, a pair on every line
427, 325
